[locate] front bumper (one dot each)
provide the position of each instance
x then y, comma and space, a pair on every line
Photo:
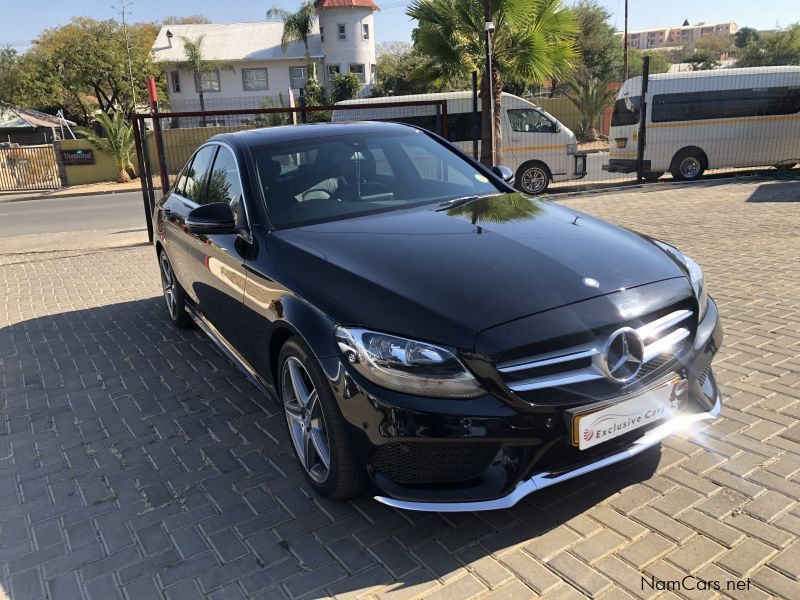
534, 444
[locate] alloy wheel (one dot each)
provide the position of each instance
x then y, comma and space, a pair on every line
534, 180
690, 167
306, 421
168, 284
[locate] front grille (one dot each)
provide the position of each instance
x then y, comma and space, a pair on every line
431, 462
576, 372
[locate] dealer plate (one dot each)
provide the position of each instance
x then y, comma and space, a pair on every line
618, 419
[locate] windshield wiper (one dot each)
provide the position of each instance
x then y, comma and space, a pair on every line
455, 202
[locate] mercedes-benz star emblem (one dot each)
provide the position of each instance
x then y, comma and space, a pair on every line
623, 355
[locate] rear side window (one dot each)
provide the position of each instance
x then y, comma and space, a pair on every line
626, 112
726, 104
197, 174
224, 184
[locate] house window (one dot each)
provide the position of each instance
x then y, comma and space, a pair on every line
333, 71
299, 76
342, 31
365, 31
254, 80
175, 78
209, 81
374, 73
321, 33
358, 71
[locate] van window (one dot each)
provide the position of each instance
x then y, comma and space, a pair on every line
460, 127
726, 104
626, 111
530, 120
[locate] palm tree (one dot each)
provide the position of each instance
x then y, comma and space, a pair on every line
117, 141
591, 97
498, 209
297, 27
197, 63
533, 42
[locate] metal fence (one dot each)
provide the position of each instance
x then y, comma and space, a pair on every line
665, 126
25, 168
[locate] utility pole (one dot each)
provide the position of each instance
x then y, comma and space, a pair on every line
625, 41
489, 27
123, 6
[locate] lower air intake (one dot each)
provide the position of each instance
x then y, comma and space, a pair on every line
427, 463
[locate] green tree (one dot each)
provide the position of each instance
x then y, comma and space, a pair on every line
591, 96
345, 86
400, 69
775, 49
600, 48
533, 42
746, 36
196, 62
116, 140
658, 62
83, 66
9, 75
187, 20
297, 27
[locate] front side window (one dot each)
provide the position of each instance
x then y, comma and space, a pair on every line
298, 76
342, 28
175, 77
358, 71
254, 79
530, 120
208, 81
328, 179
197, 174
224, 184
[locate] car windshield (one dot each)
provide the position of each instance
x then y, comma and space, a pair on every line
325, 179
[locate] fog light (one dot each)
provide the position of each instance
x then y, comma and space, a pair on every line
621, 142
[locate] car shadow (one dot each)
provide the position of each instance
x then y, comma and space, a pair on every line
129, 436
784, 191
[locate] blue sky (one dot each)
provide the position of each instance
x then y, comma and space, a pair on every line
20, 24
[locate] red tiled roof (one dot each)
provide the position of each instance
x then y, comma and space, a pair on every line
320, 4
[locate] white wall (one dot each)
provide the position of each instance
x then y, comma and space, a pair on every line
232, 93
353, 50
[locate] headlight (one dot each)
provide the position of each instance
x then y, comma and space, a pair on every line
572, 148
696, 277
406, 365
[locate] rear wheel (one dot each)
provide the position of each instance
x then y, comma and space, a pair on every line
174, 296
316, 427
533, 178
688, 165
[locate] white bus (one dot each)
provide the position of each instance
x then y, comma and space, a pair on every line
536, 146
723, 118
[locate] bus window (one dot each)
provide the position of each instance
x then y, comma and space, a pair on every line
530, 120
460, 127
726, 104
626, 111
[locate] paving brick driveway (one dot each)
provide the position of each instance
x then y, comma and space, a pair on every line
136, 462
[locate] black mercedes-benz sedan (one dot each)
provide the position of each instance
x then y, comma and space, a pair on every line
434, 337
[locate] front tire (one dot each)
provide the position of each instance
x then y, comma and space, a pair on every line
533, 178
317, 430
174, 296
689, 165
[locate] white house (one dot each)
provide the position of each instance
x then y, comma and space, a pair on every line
343, 41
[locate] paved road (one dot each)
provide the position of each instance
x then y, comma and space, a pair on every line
136, 461
65, 214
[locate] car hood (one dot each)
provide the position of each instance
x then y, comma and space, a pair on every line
445, 275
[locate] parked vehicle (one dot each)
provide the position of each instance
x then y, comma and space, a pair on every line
537, 146
432, 335
715, 119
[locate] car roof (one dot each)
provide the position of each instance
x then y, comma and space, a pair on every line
290, 133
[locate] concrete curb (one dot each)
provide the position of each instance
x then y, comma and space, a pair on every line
75, 195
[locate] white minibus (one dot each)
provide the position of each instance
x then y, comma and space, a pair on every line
724, 118
536, 146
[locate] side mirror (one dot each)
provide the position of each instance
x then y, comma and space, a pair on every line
214, 218
557, 127
504, 173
